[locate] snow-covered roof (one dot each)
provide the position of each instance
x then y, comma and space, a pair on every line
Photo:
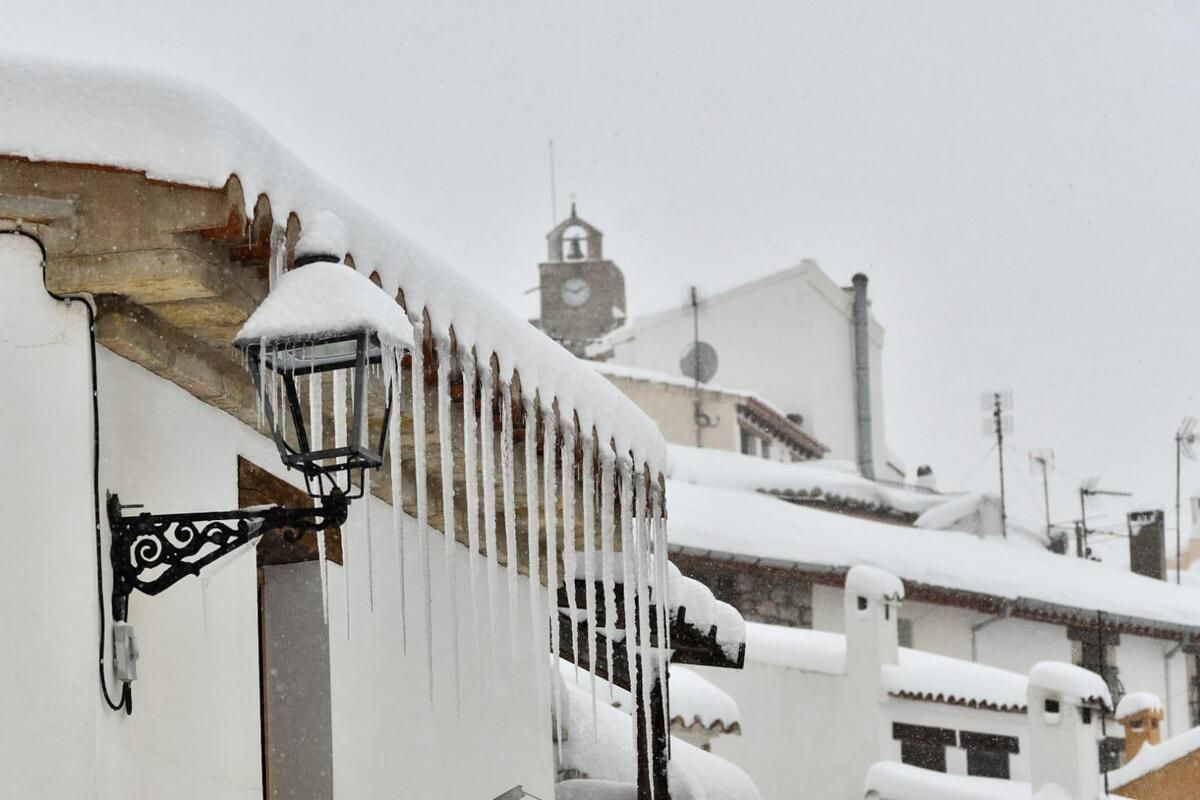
655, 376
811, 479
918, 675
1153, 757
726, 523
697, 701
1136, 703
1074, 684
323, 299
602, 748
174, 131
703, 611
893, 781
694, 699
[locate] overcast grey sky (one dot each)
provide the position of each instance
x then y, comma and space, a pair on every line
1018, 178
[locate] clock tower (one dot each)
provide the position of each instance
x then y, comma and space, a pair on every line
583, 295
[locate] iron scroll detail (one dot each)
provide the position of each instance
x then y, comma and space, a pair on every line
152, 552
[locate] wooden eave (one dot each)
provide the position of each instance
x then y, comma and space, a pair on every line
175, 270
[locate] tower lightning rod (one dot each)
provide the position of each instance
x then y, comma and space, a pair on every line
553, 189
997, 413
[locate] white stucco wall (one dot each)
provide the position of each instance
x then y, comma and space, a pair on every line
803, 733
788, 338
195, 731
807, 734
1018, 644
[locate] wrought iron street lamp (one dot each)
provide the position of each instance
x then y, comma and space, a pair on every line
322, 324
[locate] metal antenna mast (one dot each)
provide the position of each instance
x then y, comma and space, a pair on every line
1185, 437
1000, 423
699, 363
1045, 460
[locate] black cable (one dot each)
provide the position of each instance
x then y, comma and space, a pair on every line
126, 700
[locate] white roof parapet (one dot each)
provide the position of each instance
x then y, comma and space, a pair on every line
178, 132
1074, 684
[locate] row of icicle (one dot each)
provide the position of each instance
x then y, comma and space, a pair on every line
618, 489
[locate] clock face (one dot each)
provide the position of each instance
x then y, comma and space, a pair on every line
575, 292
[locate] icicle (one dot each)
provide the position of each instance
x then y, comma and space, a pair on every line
339, 408
323, 566
550, 505
510, 513
395, 368
606, 557
316, 412
471, 476
641, 559
487, 440
588, 489
661, 598
446, 449
339, 440
366, 505
533, 535
628, 573
569, 529
418, 414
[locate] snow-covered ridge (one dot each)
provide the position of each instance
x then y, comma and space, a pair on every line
815, 479
175, 131
749, 526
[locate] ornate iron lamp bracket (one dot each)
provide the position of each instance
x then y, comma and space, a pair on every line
152, 552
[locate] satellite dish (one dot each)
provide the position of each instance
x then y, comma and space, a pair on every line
699, 362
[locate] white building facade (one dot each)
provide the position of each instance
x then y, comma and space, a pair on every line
788, 337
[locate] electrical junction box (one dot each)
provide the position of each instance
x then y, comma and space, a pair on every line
125, 652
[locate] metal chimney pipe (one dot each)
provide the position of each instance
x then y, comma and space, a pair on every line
862, 376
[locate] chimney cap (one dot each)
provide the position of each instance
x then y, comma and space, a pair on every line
875, 583
1136, 703
859, 279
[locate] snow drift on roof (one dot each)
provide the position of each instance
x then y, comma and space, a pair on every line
609, 754
1152, 758
904, 782
695, 699
1074, 684
752, 526
176, 131
707, 467
918, 675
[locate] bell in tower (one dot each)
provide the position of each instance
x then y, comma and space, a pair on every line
582, 293
576, 252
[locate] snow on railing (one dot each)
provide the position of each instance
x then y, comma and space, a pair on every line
72, 113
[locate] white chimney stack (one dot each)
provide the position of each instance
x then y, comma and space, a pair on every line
1065, 704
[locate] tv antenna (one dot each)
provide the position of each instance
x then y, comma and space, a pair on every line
1090, 488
